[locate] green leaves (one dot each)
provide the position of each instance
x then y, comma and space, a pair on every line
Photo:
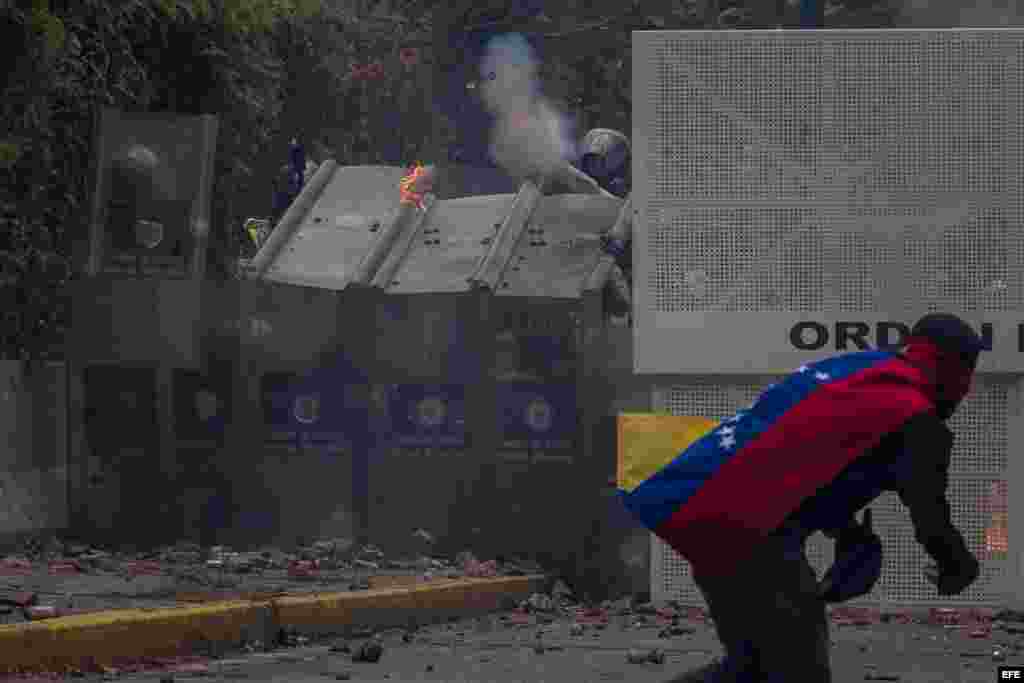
9, 153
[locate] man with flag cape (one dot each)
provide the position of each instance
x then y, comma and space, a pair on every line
740, 502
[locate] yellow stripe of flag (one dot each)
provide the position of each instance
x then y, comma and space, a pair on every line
649, 441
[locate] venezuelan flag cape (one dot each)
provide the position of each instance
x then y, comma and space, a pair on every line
736, 484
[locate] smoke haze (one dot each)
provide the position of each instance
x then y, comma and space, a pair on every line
531, 135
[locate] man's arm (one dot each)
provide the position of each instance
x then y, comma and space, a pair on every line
929, 443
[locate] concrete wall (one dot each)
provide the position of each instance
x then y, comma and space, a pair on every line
33, 483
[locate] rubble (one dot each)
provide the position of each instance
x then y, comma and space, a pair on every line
425, 536
15, 566
370, 651
38, 612
540, 603
1009, 615
854, 616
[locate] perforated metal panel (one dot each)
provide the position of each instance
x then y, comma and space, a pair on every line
824, 172
977, 494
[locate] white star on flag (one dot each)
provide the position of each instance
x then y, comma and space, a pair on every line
728, 442
727, 431
821, 376
734, 419
802, 368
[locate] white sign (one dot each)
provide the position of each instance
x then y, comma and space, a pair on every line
775, 225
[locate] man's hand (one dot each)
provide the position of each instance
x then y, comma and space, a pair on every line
954, 579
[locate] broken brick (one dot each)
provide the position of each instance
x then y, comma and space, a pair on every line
15, 565
38, 612
65, 567
143, 568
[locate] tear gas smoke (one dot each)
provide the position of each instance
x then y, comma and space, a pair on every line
532, 135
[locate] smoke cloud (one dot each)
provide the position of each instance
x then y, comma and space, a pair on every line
532, 135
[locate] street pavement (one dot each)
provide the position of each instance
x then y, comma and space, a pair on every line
498, 649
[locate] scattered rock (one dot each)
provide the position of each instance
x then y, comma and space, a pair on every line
1010, 615
370, 651
19, 599
38, 612
636, 657
674, 631
561, 591
15, 566
424, 535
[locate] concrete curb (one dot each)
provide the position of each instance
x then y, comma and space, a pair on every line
88, 642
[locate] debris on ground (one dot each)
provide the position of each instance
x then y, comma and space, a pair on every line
187, 572
1009, 615
370, 651
948, 616
474, 568
635, 656
424, 536
304, 569
540, 603
855, 616
38, 612
15, 565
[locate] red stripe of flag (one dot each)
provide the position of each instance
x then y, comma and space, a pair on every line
806, 448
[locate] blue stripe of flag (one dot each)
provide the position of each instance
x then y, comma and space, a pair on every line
657, 498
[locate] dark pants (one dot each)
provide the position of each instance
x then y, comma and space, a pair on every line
769, 618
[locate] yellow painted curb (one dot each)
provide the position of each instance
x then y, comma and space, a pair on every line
345, 609
103, 639
89, 640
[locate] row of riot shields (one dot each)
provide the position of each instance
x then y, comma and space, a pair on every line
299, 424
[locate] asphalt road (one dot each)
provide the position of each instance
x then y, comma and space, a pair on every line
493, 651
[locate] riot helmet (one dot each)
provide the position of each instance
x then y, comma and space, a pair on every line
605, 157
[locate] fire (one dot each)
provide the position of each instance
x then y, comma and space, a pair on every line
996, 539
415, 185
996, 535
